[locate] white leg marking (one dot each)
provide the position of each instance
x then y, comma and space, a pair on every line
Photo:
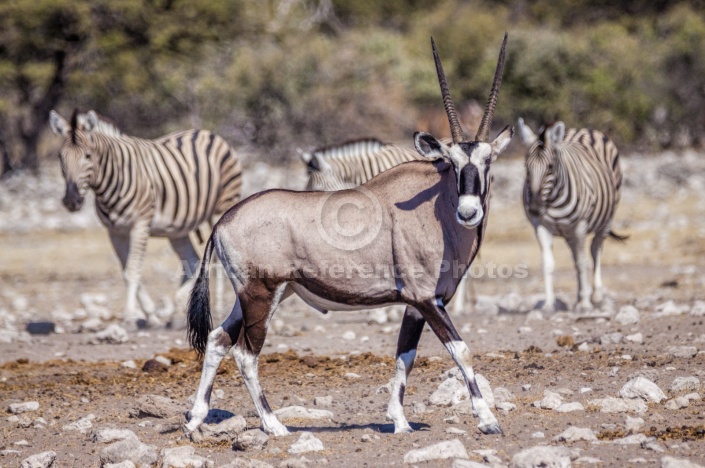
214, 355
247, 363
545, 239
395, 409
462, 357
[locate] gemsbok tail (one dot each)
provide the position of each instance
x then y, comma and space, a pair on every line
618, 237
199, 318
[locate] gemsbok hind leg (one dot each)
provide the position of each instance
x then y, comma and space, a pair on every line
411, 328
437, 317
258, 305
219, 343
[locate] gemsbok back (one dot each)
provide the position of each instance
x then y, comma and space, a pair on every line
416, 223
572, 189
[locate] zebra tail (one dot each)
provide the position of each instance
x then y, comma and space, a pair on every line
199, 320
618, 237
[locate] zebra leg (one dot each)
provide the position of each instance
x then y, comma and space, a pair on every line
596, 251
121, 246
545, 239
220, 341
133, 272
190, 263
411, 328
437, 317
577, 247
257, 311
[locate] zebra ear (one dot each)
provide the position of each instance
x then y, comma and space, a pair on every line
58, 124
557, 132
319, 164
527, 135
89, 121
305, 157
428, 146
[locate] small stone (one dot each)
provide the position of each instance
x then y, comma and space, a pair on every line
460, 463
698, 309
351, 376
670, 462
219, 428
242, 462
670, 308
573, 434
254, 439
692, 397
39, 460
685, 384
588, 461
19, 408
452, 420
651, 444
551, 400
611, 338
366, 438
627, 315
570, 407
450, 392
456, 431
553, 457
129, 449
635, 439
107, 435
584, 347
440, 451
307, 443
299, 412
524, 330
642, 387
82, 425
538, 435
636, 338
113, 334
323, 401
633, 424
565, 341
163, 360
123, 464
129, 364
505, 406
677, 403
418, 407
526, 387
685, 352
349, 335
184, 457
152, 366
619, 405
157, 406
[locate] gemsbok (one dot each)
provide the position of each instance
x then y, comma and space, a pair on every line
398, 239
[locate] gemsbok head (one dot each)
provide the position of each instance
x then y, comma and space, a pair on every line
406, 236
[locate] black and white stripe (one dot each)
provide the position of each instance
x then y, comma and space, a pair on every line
353, 163
572, 189
165, 187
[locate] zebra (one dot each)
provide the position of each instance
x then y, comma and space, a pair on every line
165, 187
572, 189
353, 163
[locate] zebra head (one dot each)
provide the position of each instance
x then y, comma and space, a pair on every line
541, 166
323, 177
471, 160
78, 161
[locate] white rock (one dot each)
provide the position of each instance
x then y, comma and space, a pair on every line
698, 309
129, 364
299, 412
323, 401
19, 408
489, 456
505, 406
184, 457
450, 392
627, 315
642, 387
670, 308
634, 439
502, 394
611, 338
113, 334
349, 335
542, 456
524, 330
351, 376
418, 407
456, 431
129, 449
588, 461
460, 463
440, 451
584, 347
538, 435
685, 384
636, 338
124, 464
670, 462
307, 443
242, 462
164, 360
685, 352
39, 460
82, 425
551, 400
619, 405
220, 430
692, 396
677, 403
92, 325
254, 439
157, 406
633, 424
378, 316
108, 434
570, 407
14, 336
573, 434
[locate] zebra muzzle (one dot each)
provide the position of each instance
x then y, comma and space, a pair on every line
73, 201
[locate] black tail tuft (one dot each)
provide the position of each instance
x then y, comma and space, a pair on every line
199, 318
618, 237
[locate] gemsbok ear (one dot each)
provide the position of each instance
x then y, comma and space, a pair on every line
528, 137
428, 146
502, 140
58, 124
557, 132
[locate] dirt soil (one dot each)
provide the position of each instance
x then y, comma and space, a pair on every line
45, 270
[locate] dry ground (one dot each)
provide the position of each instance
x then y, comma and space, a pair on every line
70, 378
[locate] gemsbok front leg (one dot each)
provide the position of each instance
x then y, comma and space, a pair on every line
437, 317
411, 328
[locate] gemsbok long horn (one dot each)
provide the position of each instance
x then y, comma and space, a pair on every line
455, 130
483, 132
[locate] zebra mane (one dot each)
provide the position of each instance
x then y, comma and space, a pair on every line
74, 125
339, 150
104, 124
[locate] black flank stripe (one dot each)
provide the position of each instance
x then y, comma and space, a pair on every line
198, 184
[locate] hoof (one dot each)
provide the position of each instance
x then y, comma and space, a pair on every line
403, 430
490, 428
277, 431
583, 308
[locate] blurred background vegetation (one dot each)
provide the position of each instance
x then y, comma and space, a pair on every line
274, 75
